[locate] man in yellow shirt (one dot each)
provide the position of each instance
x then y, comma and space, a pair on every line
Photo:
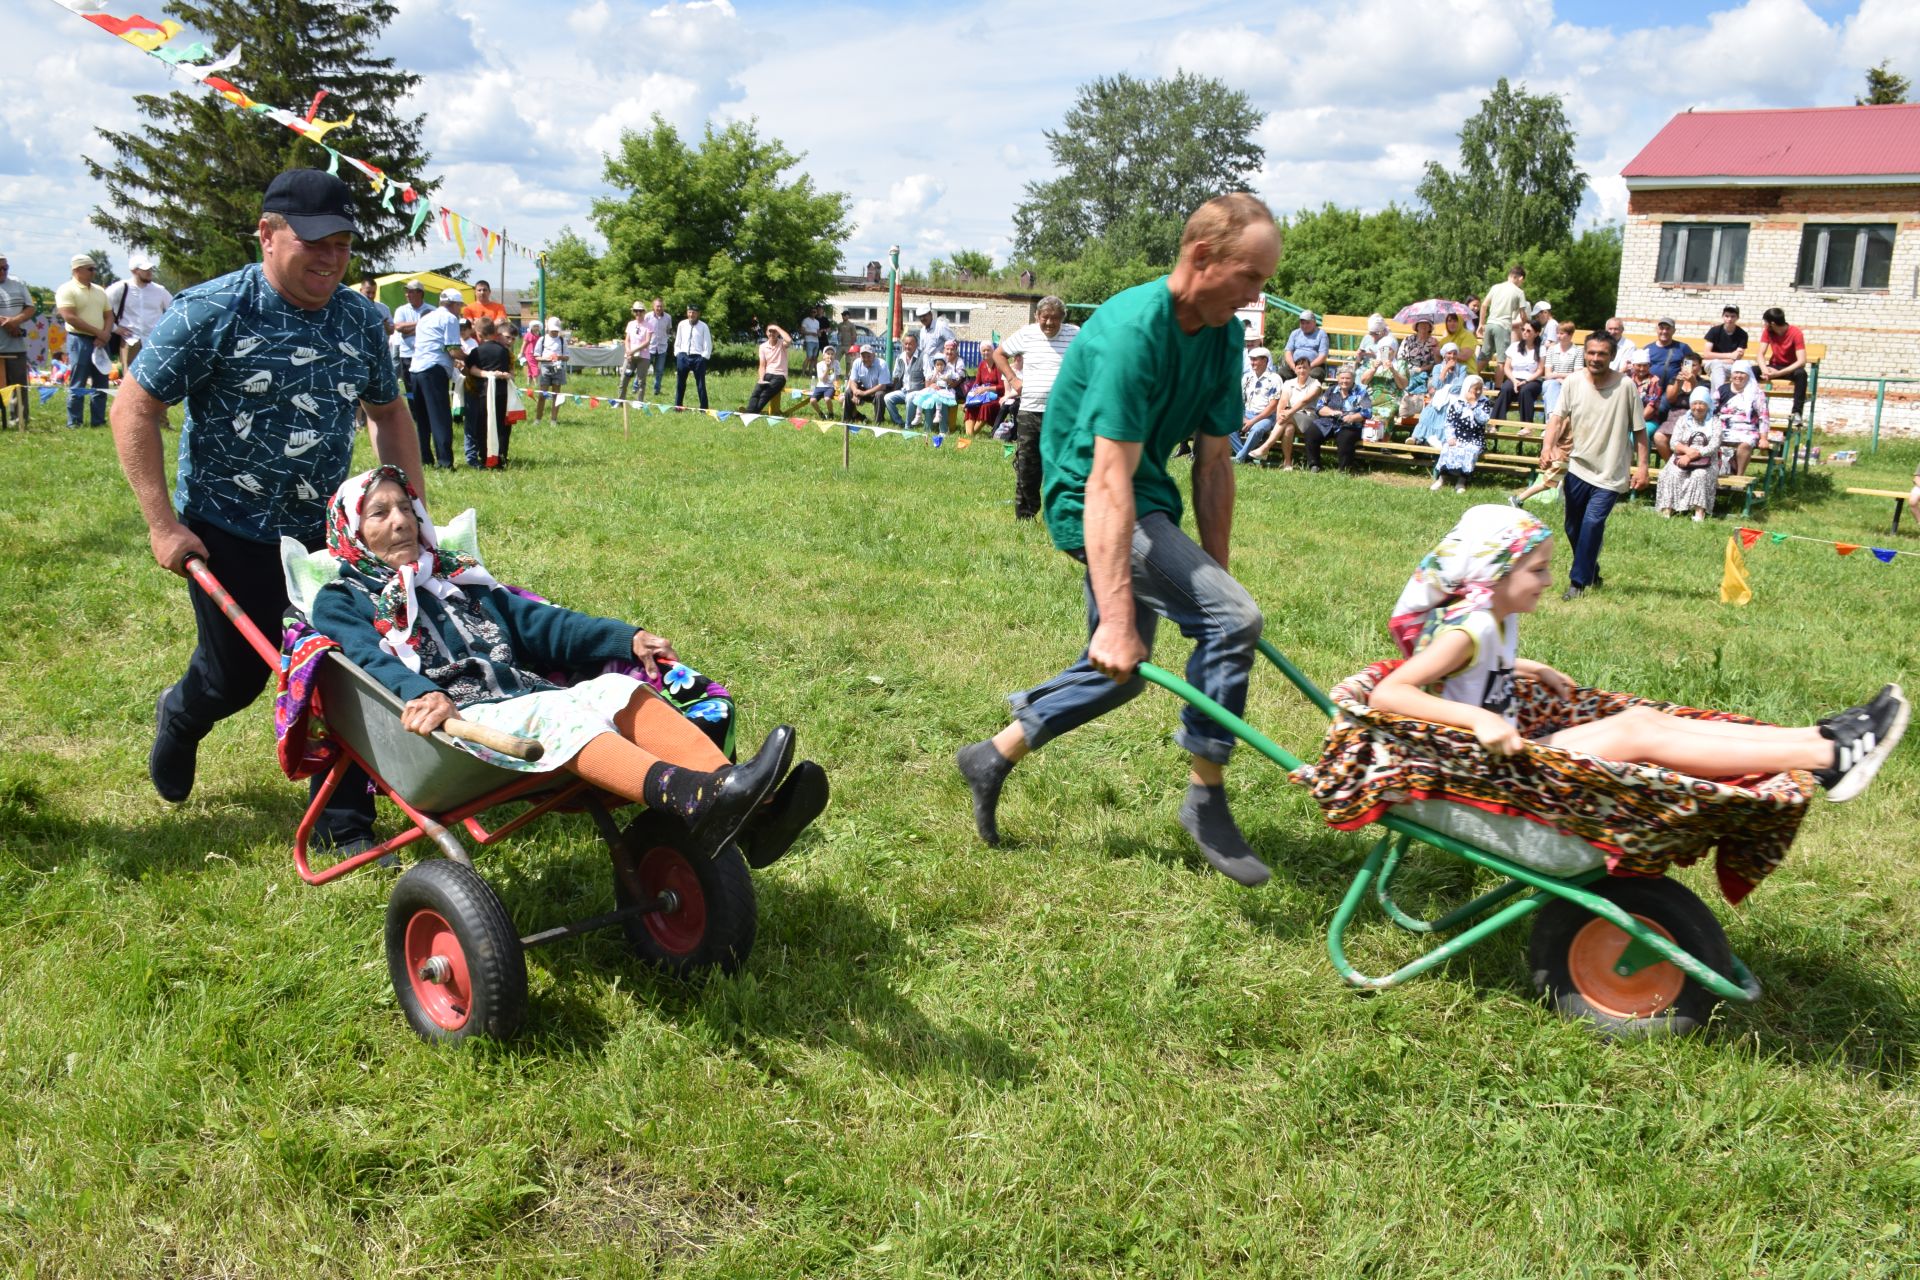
82, 306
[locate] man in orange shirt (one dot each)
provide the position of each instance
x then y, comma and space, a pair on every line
484, 305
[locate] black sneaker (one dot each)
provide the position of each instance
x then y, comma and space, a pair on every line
171, 762
1862, 741
1573, 593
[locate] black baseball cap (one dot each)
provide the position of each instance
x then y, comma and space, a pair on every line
314, 203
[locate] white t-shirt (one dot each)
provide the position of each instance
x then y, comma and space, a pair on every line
810, 327
1623, 354
692, 338
1042, 361
1295, 395
823, 372
1525, 361
1487, 679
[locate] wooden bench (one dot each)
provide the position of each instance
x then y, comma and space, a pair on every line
1407, 449
1898, 497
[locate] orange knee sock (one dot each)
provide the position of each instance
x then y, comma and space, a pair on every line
651, 734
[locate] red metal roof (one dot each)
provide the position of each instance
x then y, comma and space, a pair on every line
1821, 143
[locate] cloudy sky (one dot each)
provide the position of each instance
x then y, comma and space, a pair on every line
932, 117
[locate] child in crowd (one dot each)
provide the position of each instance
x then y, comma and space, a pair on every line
823, 380
938, 397
1458, 623
1553, 466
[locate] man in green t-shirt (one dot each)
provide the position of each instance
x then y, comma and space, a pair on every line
1156, 365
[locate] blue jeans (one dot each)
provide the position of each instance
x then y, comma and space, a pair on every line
80, 377
1245, 441
1173, 578
1588, 506
659, 359
697, 366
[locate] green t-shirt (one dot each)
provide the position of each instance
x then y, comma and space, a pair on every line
1132, 375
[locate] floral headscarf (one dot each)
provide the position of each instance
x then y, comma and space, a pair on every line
393, 590
1457, 577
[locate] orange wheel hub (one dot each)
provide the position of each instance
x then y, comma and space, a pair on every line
1591, 958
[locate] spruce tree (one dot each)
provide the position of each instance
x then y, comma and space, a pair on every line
187, 187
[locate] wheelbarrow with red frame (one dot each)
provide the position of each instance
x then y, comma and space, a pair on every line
457, 961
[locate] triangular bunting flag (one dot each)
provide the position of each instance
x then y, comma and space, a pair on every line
1778, 538
961, 444
723, 415
1734, 587
799, 424
1846, 548
593, 402
1883, 555
749, 418
1007, 450
939, 440
1749, 536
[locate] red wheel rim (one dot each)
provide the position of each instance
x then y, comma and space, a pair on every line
431, 942
678, 930
1591, 958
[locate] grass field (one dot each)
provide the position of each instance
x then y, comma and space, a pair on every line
1081, 1054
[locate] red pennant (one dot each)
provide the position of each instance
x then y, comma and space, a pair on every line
1846, 548
1749, 536
314, 108
799, 424
120, 26
593, 402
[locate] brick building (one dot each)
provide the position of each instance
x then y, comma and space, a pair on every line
975, 316
1815, 211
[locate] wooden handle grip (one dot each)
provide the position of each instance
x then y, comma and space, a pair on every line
494, 740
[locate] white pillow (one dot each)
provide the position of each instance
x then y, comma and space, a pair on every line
308, 571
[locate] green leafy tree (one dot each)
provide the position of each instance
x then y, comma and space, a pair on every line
1581, 278
1347, 262
1136, 157
972, 261
583, 290
1517, 190
1885, 87
187, 186
722, 224
1095, 276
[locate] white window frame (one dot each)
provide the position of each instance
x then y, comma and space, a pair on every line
1684, 231
1826, 231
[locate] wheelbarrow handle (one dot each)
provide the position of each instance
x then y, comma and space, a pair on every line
506, 744
203, 578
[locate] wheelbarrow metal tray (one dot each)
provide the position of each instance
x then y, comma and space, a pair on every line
432, 773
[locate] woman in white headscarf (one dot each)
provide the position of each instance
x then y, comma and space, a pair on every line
1442, 386
1742, 411
1691, 474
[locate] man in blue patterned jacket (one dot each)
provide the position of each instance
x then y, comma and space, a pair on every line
272, 361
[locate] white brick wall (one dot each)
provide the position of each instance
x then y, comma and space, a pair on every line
1867, 334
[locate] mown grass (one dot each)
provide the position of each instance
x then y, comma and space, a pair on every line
1082, 1054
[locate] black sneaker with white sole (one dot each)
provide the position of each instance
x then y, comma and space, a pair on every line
1863, 738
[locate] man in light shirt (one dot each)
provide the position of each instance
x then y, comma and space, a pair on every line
810, 334
435, 337
660, 325
406, 317
138, 303
16, 310
935, 334
1041, 347
1505, 307
909, 376
866, 383
692, 348
1623, 346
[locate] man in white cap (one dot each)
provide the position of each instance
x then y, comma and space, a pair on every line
638, 350
436, 336
1259, 400
269, 361
84, 309
935, 334
16, 309
551, 352
405, 317
1543, 321
866, 383
138, 302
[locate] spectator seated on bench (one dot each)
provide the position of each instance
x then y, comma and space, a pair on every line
1341, 415
1387, 381
1295, 413
771, 376
866, 384
1561, 359
931, 403
1742, 410
1679, 401
1442, 385
1522, 374
909, 376
820, 395
1690, 477
1260, 389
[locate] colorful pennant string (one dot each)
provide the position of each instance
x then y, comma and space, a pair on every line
1884, 555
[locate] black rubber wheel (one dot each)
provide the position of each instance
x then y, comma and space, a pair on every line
453, 954
714, 916
1572, 953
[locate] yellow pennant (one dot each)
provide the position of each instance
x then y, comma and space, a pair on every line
1734, 587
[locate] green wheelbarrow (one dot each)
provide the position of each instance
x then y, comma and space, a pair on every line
1634, 956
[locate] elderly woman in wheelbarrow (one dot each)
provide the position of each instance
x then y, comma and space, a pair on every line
436, 629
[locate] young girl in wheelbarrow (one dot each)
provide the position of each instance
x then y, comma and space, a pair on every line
436, 629
1457, 622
